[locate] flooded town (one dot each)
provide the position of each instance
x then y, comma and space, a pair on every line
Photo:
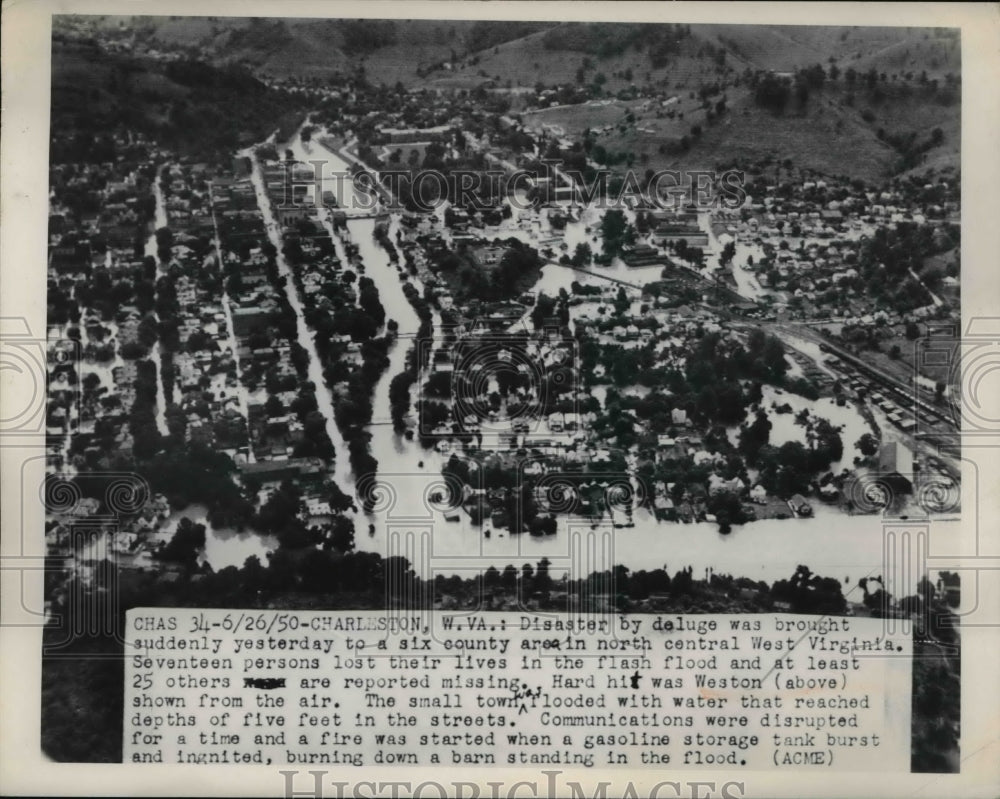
513, 319
698, 378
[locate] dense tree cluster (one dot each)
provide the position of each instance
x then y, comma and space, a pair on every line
773, 92
616, 233
187, 105
885, 262
186, 545
607, 40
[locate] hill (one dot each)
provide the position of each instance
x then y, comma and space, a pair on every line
882, 94
190, 106
862, 133
525, 52
389, 50
784, 48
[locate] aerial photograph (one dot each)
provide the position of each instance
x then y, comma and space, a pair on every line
512, 315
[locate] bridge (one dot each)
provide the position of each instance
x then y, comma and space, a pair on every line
365, 214
591, 272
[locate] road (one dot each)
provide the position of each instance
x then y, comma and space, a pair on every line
227, 307
155, 355
324, 397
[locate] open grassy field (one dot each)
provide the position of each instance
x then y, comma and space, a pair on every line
826, 136
787, 47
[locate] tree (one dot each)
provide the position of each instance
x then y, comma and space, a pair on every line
730, 402
341, 534
582, 256
827, 446
926, 589
867, 445
728, 251
438, 385
615, 231
755, 436
164, 242
773, 93
543, 581
274, 406
282, 508
91, 381
491, 577
185, 545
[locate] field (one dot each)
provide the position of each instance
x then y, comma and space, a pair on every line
825, 137
785, 47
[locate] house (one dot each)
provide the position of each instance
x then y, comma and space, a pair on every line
187, 293
829, 492
662, 506
246, 320
717, 484
798, 505
895, 467
316, 506
416, 135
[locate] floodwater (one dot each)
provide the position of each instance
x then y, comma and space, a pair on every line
410, 518
161, 269
784, 427
224, 546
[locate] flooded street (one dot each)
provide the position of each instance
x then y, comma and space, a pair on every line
397, 457
324, 398
160, 221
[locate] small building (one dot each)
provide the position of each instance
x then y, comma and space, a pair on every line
895, 467
799, 506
